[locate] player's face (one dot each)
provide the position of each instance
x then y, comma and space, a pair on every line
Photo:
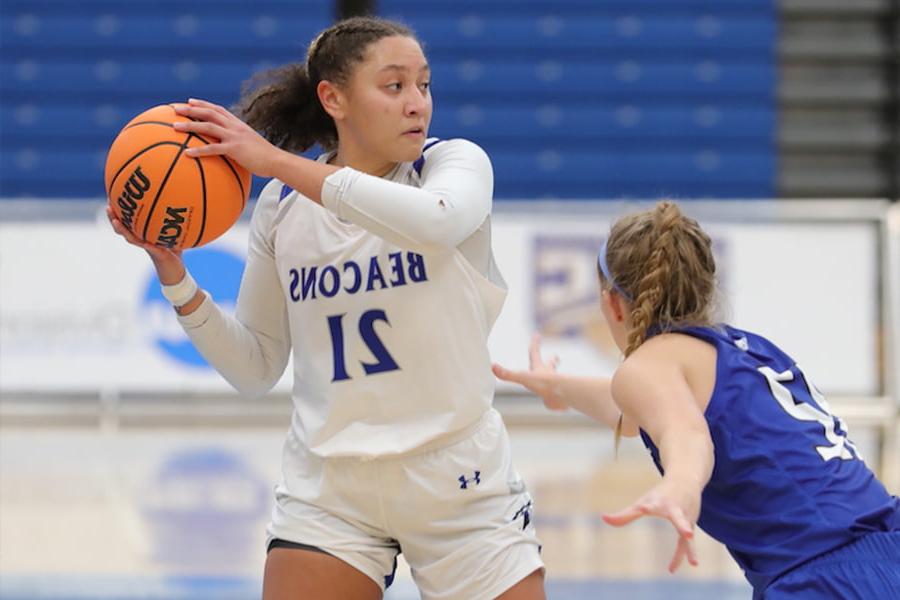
388, 100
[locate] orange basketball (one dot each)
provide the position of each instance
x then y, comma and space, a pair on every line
165, 197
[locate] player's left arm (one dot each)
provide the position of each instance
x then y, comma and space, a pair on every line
652, 391
454, 199
451, 204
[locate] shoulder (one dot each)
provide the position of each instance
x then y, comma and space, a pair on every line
453, 152
655, 364
274, 199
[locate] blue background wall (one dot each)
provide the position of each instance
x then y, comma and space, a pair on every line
571, 98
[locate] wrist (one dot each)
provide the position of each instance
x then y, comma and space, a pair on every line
182, 292
277, 163
169, 272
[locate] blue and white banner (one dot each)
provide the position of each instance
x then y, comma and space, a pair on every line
82, 311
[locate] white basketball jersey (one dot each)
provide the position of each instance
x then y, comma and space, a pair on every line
389, 345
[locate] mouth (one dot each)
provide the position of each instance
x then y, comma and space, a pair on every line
415, 132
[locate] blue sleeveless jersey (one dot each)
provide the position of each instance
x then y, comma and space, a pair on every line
787, 484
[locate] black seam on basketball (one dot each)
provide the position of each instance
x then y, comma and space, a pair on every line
130, 159
199, 164
162, 186
164, 123
238, 177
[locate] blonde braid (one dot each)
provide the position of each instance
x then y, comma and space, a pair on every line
651, 288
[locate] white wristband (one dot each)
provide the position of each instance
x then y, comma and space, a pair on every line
182, 292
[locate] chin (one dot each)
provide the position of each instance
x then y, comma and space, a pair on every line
408, 154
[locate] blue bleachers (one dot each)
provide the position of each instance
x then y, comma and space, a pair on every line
710, 124
466, 80
571, 98
614, 36
158, 36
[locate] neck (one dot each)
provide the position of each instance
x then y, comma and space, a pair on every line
362, 161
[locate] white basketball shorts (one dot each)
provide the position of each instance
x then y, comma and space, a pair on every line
460, 513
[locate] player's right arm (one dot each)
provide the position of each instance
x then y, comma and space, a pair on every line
250, 349
589, 395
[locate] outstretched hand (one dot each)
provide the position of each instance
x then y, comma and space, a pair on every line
665, 501
539, 378
231, 135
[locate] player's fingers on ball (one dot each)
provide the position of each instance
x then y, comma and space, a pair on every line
205, 128
114, 222
208, 150
119, 228
206, 105
202, 113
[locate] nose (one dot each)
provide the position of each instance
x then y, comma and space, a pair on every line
416, 102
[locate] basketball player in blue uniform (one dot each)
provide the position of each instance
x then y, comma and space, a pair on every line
746, 444
372, 267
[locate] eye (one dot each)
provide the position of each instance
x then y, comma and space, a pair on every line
425, 85
396, 86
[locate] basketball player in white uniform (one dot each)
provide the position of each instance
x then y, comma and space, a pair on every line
373, 265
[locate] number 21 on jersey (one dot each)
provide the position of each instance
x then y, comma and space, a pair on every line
838, 445
383, 359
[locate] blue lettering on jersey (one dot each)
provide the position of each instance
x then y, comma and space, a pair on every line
308, 283
397, 269
329, 289
353, 268
416, 267
375, 275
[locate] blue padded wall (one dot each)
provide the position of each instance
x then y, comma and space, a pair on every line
73, 73
571, 98
607, 98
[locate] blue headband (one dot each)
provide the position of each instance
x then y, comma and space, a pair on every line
604, 268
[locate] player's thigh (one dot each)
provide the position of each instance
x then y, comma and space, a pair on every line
295, 574
529, 588
465, 520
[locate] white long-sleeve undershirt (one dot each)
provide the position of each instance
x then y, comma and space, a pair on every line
444, 208
453, 200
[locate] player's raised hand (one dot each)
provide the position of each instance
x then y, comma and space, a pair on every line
235, 138
540, 377
666, 501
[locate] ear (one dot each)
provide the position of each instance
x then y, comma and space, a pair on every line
333, 100
616, 305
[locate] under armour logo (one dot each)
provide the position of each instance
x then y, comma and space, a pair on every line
525, 513
464, 483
